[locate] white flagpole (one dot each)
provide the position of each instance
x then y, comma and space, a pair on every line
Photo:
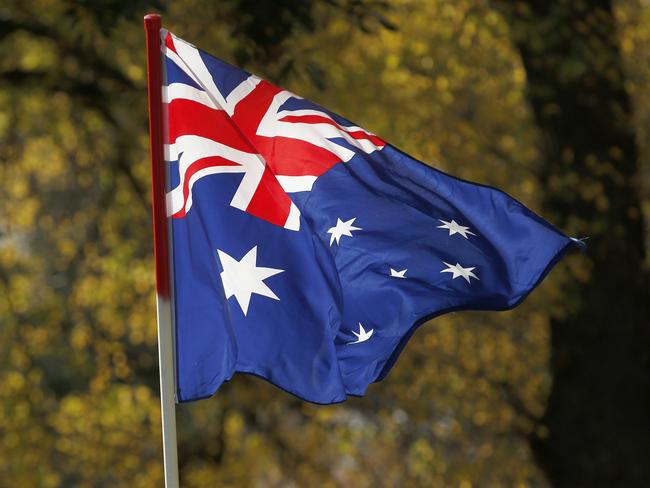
152, 25
167, 391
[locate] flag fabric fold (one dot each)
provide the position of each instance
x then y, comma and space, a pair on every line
306, 250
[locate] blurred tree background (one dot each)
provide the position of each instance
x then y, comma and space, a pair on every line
549, 100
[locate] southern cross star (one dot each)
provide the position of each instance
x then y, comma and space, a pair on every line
457, 270
342, 229
243, 278
398, 274
363, 335
454, 228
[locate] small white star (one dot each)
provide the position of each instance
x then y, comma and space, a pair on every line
458, 270
342, 229
243, 278
363, 335
398, 274
455, 228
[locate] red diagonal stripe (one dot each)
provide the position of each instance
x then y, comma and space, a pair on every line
194, 168
321, 119
169, 42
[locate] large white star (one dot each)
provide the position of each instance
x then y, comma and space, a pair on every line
243, 278
454, 228
342, 229
457, 270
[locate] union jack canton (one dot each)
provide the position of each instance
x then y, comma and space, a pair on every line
306, 250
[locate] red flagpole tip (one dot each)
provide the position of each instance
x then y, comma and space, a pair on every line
152, 19
161, 239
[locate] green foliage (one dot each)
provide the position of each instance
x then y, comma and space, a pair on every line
78, 382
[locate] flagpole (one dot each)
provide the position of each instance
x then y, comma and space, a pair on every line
152, 25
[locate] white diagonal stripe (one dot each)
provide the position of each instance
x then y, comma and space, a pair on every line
181, 91
191, 58
179, 62
318, 113
240, 92
191, 63
314, 132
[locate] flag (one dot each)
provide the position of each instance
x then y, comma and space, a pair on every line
306, 250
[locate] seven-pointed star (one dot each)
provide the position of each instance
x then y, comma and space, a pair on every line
454, 228
363, 335
243, 278
342, 229
398, 274
458, 270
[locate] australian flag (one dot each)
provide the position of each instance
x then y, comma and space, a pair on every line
307, 250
